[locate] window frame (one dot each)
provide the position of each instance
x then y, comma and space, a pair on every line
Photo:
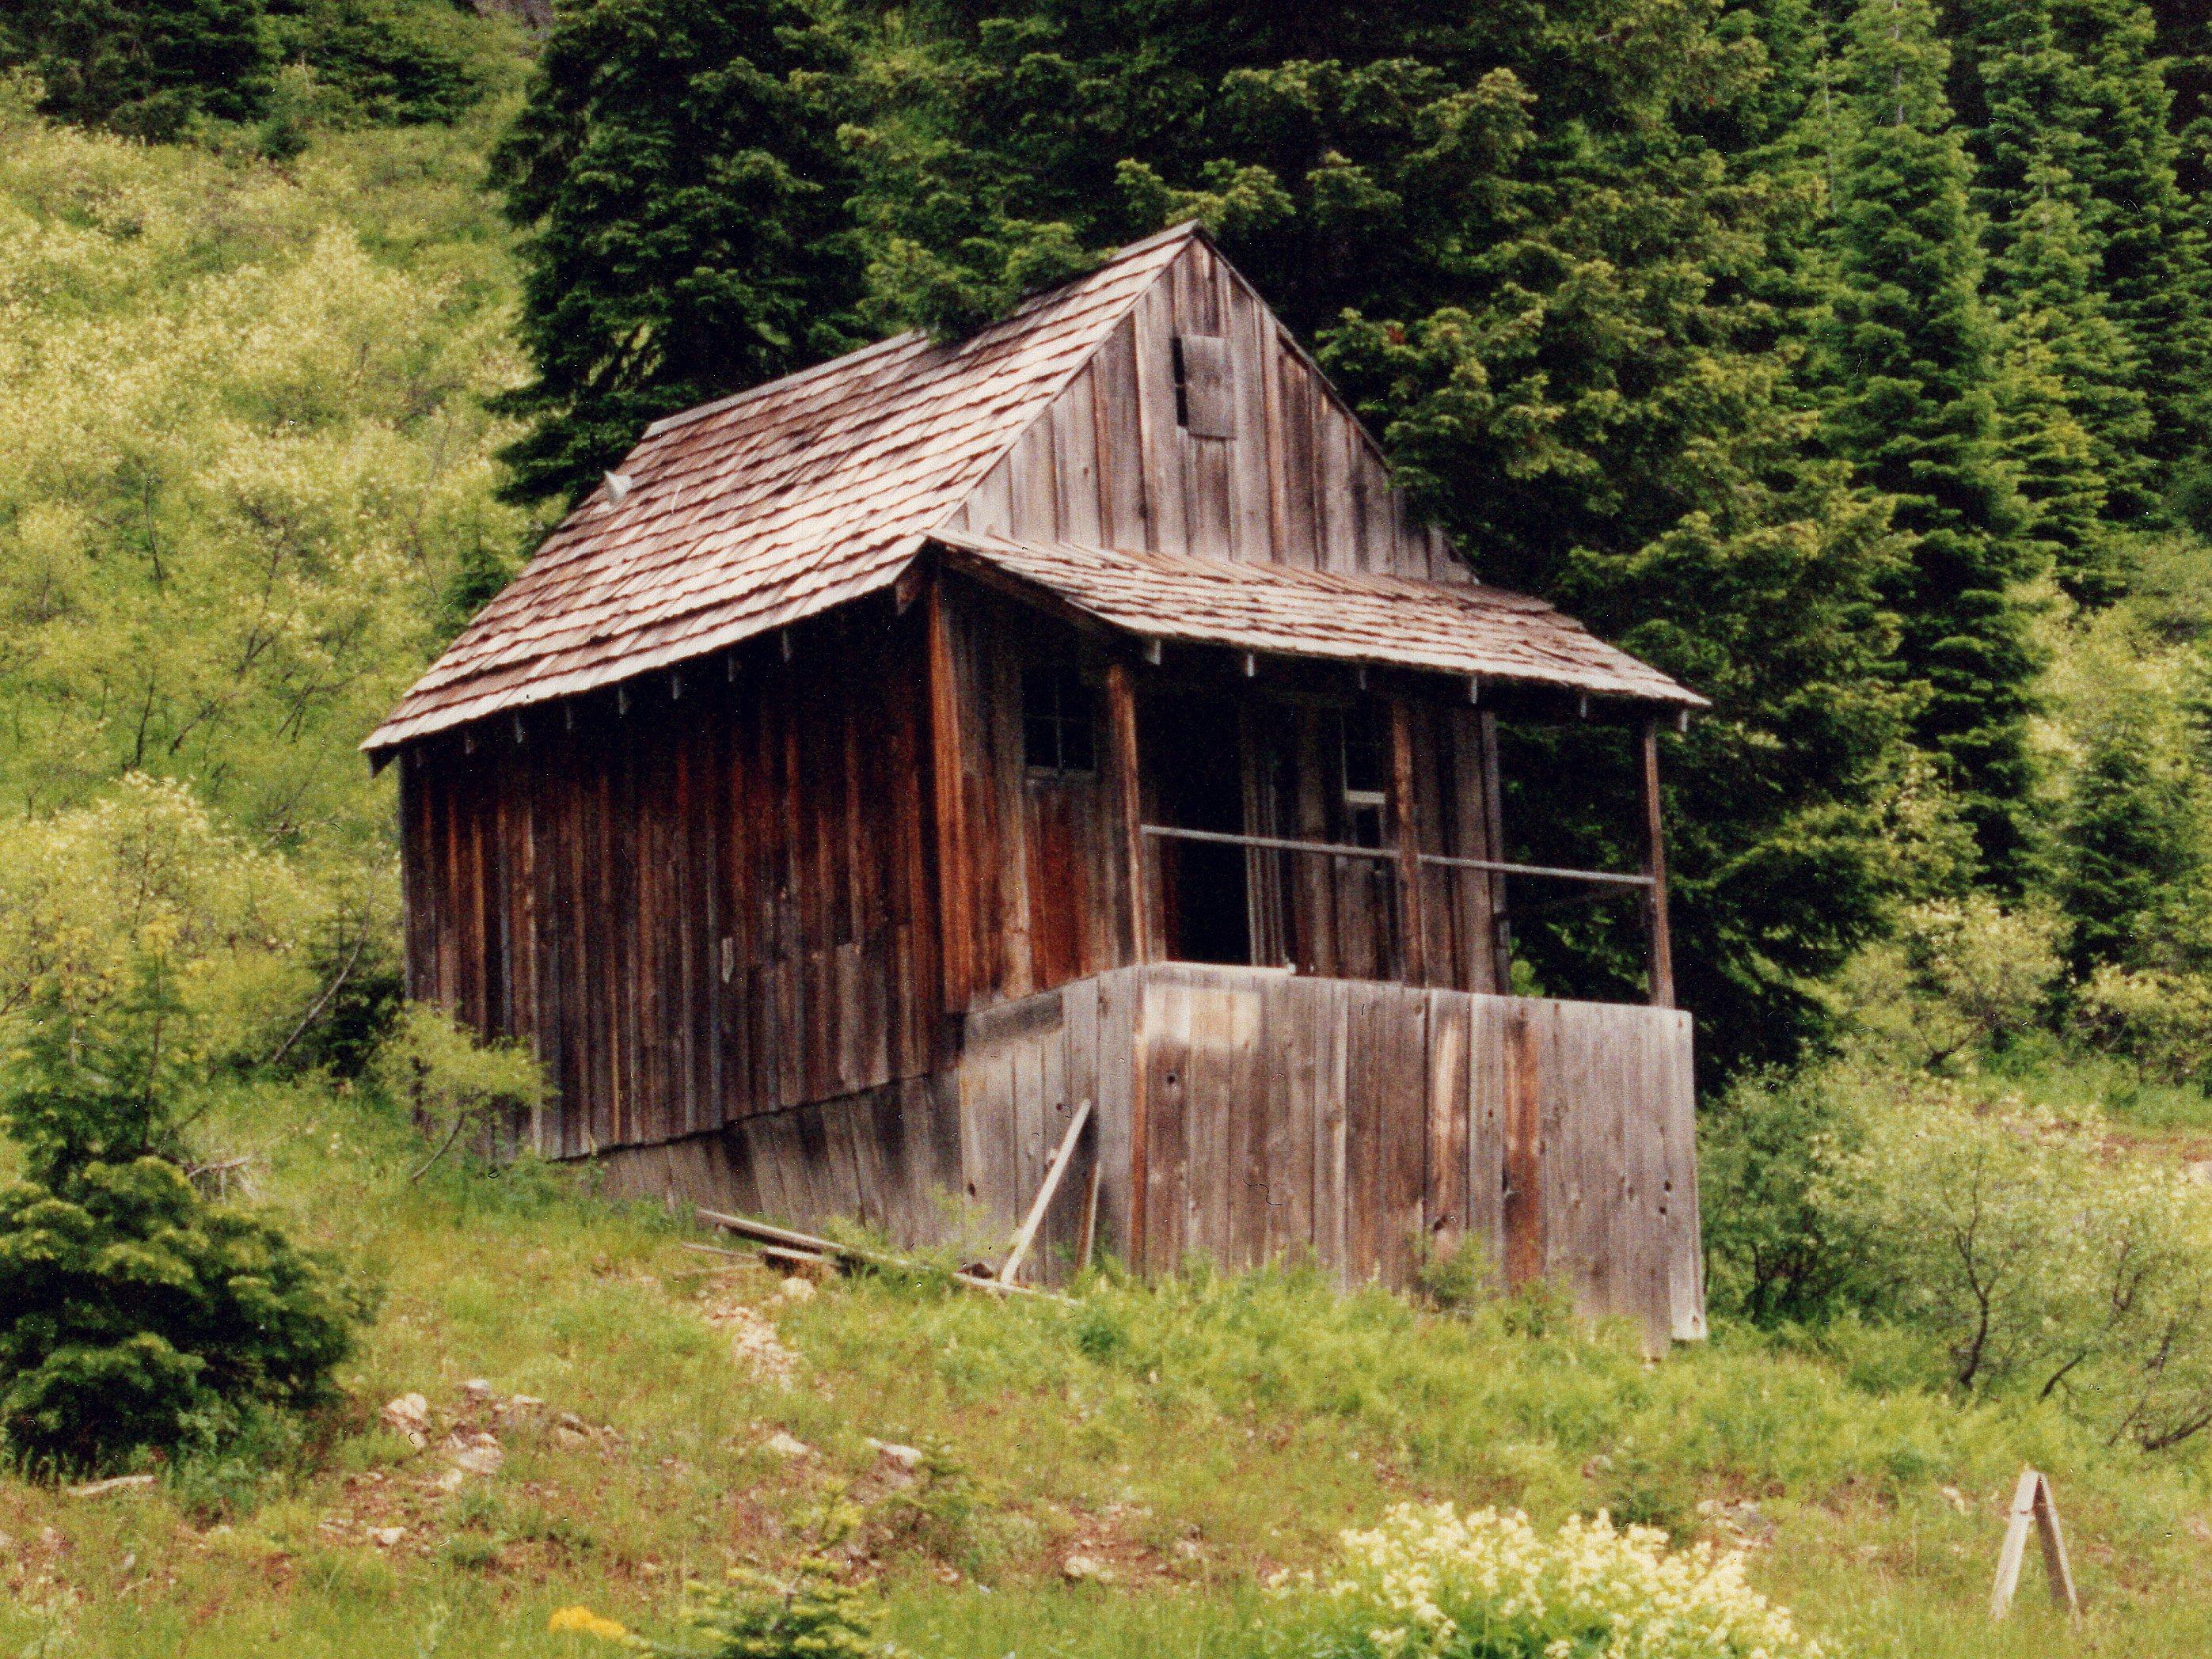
1072, 708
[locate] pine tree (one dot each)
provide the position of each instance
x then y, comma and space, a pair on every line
2183, 44
2030, 105
134, 1313
1909, 355
677, 172
2074, 85
2133, 840
2073, 418
1516, 237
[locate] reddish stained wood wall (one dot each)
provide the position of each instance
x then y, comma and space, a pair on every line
716, 905
1041, 861
1296, 482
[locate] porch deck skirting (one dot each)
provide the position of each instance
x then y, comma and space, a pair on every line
1242, 1116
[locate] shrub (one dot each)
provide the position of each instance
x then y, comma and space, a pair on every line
2162, 1022
135, 1314
453, 1083
1960, 975
1986, 1249
146, 865
1433, 1581
1774, 1251
2039, 1267
752, 1616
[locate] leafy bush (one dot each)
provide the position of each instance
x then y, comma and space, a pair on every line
1984, 1248
453, 1083
1774, 1251
2161, 1022
134, 1314
1960, 977
753, 1616
2040, 1267
1430, 1582
81, 891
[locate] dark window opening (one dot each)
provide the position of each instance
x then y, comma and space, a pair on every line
1182, 380
1057, 730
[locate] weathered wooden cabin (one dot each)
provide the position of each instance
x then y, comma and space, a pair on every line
888, 761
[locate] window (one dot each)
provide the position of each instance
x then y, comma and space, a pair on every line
1056, 725
1364, 798
1203, 407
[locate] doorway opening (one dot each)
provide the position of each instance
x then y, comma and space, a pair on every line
1196, 764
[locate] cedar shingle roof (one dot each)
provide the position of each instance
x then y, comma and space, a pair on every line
757, 511
763, 508
1451, 627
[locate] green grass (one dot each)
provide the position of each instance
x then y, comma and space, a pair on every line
1195, 1437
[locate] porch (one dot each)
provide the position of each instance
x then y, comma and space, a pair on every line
1240, 1115
1243, 1115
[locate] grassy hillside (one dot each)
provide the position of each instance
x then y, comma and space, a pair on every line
248, 484
1189, 1440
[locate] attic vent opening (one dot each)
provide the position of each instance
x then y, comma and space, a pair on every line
1204, 406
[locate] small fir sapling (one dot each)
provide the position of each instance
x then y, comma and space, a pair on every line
135, 1315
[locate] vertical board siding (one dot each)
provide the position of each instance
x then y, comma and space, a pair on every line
706, 900
1357, 1127
1361, 1125
1296, 481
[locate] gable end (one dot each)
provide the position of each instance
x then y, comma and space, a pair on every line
1199, 426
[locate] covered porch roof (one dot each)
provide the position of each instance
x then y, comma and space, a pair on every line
1453, 627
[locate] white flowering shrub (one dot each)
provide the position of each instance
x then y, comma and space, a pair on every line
2161, 1021
247, 460
1431, 1583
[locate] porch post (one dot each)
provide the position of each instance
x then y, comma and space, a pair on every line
1128, 793
1414, 937
956, 891
1494, 823
1661, 947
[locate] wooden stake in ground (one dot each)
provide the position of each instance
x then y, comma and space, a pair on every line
2032, 1501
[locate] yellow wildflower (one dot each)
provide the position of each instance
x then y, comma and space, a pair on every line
582, 1621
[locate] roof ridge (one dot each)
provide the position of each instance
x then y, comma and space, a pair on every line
1099, 330
812, 371
1184, 229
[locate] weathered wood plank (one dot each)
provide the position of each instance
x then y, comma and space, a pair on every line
1078, 513
1366, 1204
1445, 1199
1165, 1050
1157, 435
1121, 1068
1124, 506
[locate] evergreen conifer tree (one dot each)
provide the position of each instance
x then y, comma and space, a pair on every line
1909, 355
677, 172
2184, 45
2133, 837
2073, 418
145, 67
2075, 86
1516, 238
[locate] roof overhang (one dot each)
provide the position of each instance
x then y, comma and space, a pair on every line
1462, 629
